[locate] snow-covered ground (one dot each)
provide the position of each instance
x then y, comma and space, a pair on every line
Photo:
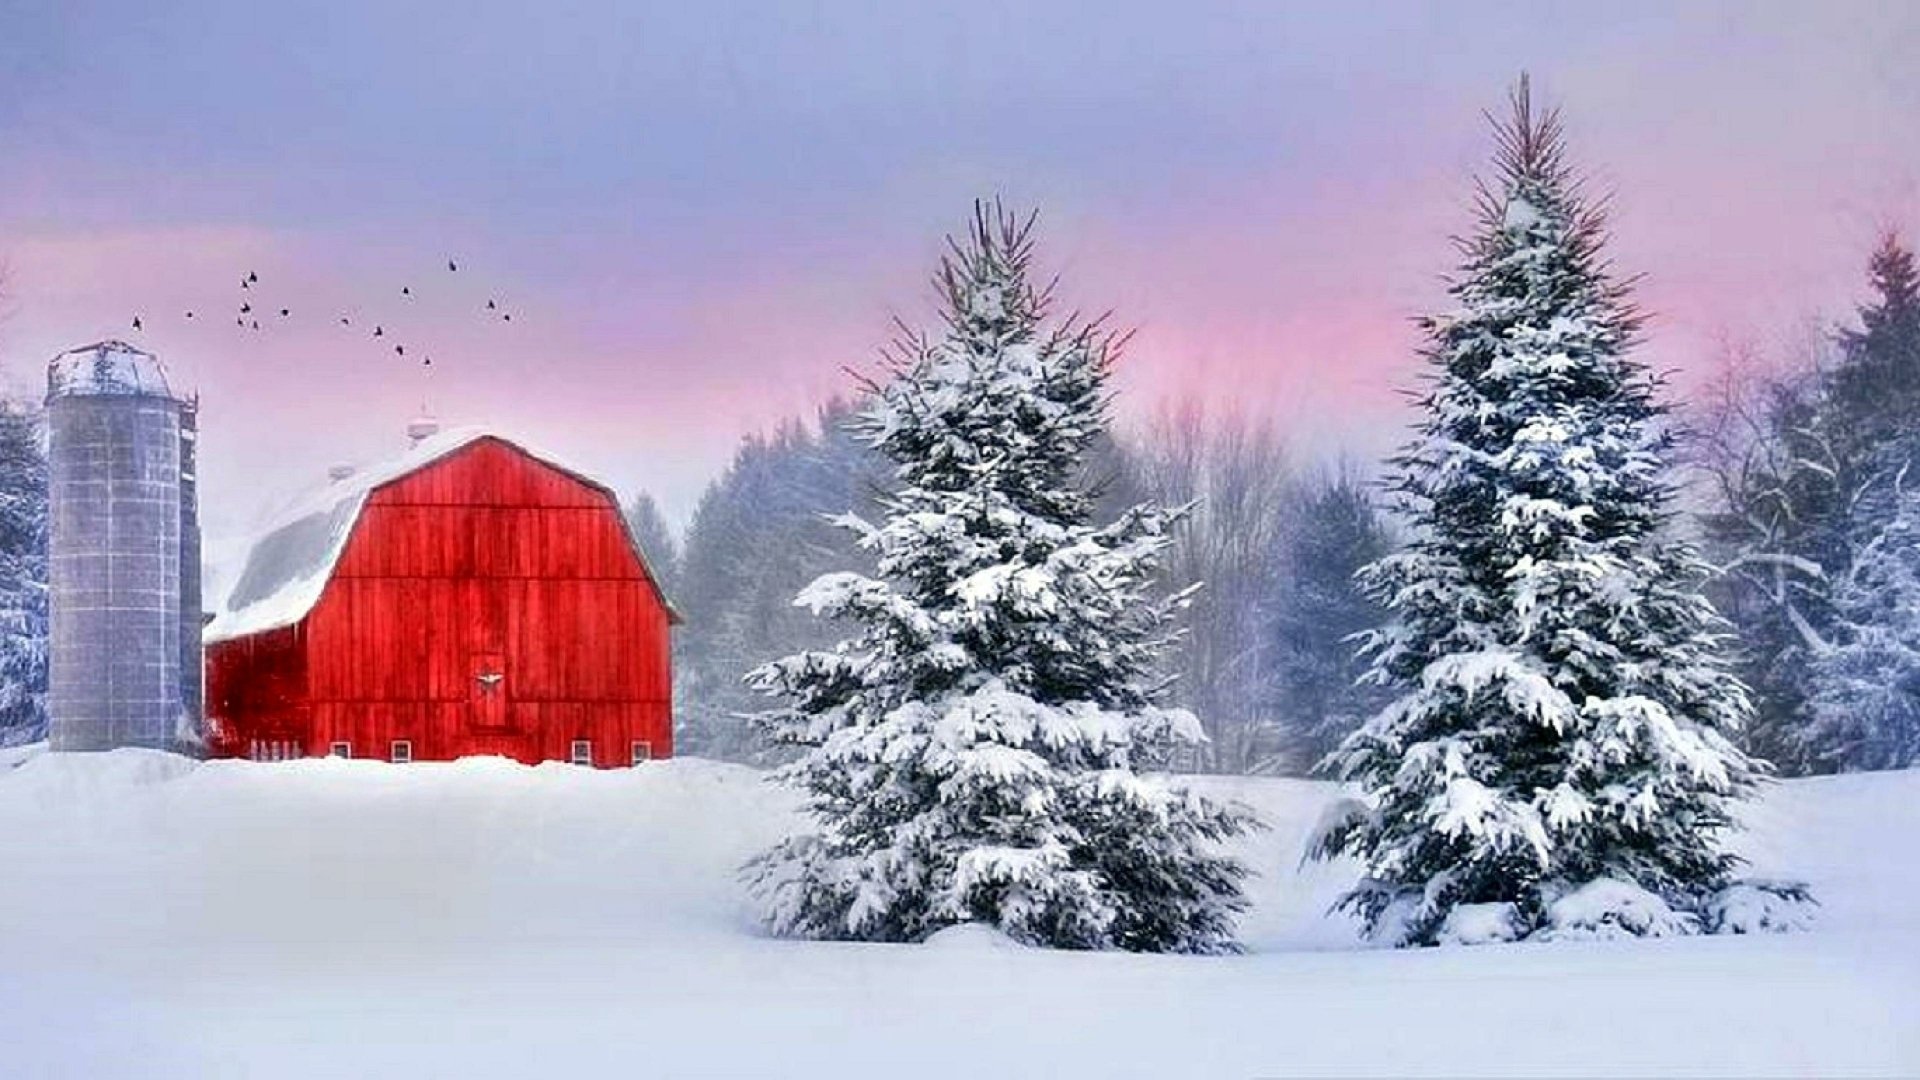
335, 918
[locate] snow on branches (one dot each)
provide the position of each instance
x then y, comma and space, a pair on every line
971, 753
1558, 760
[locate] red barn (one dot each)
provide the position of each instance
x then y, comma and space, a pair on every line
469, 597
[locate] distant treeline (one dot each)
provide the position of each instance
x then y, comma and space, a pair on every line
1808, 503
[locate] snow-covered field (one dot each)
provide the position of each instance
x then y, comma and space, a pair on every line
335, 918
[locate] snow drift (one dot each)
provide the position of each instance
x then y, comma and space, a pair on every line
326, 917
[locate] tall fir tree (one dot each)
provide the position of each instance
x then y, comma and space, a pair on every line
23, 576
1874, 392
1818, 485
1317, 611
1558, 761
969, 753
1861, 659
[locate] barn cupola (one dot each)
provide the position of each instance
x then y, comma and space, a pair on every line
422, 427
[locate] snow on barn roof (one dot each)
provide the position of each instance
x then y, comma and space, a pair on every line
289, 561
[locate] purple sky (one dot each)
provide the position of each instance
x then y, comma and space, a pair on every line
698, 213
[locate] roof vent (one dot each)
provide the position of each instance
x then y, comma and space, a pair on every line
422, 427
338, 473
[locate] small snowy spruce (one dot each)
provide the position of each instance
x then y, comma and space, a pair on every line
1863, 705
1558, 760
969, 754
655, 537
23, 576
1318, 609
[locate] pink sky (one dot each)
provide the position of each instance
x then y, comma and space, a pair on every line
1266, 197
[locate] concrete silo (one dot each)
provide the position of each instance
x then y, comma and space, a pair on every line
123, 554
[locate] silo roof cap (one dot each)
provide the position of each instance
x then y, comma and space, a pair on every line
107, 368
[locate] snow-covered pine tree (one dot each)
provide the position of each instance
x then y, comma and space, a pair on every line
1863, 705
1874, 393
1862, 664
1557, 762
1816, 486
23, 576
970, 752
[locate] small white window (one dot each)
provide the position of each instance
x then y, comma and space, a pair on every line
642, 751
401, 751
341, 749
582, 752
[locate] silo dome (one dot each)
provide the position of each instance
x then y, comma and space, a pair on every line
107, 368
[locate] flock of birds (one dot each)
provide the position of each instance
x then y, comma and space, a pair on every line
247, 316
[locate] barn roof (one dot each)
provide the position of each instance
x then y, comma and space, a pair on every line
289, 561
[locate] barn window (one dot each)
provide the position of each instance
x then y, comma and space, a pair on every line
642, 751
401, 751
341, 749
582, 752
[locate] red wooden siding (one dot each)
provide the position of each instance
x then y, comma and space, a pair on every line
486, 603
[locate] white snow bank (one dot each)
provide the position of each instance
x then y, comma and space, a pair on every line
324, 918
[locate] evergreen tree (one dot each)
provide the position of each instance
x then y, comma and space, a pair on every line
23, 576
655, 537
1558, 760
1874, 393
1816, 483
969, 752
1318, 610
1863, 709
1861, 685
759, 534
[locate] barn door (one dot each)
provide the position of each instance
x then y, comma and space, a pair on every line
488, 691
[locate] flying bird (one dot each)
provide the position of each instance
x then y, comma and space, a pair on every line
451, 267
490, 305
506, 317
284, 312
246, 309
189, 314
405, 291
136, 322
344, 321
400, 350
379, 331
256, 324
